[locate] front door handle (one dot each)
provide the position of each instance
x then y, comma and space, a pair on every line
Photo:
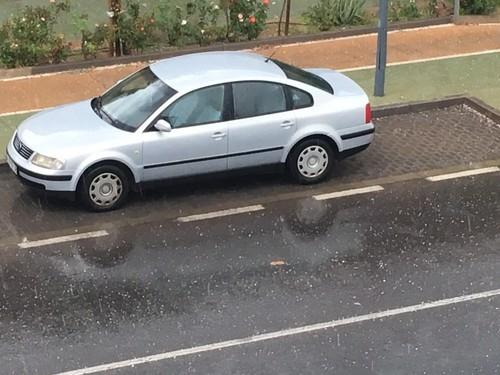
218, 135
287, 124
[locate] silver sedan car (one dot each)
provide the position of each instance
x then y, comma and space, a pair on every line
190, 115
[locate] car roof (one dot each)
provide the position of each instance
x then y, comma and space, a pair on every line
189, 72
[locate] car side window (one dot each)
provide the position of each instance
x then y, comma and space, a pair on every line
199, 107
258, 98
300, 99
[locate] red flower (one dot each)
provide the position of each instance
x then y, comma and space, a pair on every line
252, 20
265, 2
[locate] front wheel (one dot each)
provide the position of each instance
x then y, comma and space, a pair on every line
311, 161
104, 188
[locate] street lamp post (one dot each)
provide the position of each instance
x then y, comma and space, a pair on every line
456, 10
381, 49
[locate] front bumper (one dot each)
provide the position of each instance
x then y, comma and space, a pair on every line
39, 188
35, 177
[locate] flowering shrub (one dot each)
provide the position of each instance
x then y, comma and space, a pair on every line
246, 18
28, 38
91, 41
405, 10
205, 16
134, 30
196, 22
171, 21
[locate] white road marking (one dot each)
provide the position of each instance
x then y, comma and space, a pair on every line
471, 172
69, 238
346, 193
23, 112
212, 215
75, 71
358, 36
283, 333
366, 67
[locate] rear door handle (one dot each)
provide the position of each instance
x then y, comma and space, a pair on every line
287, 124
218, 135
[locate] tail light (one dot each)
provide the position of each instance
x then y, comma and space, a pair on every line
368, 114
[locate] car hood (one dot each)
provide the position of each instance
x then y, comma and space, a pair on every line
341, 84
70, 127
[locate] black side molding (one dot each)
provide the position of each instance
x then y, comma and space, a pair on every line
213, 158
357, 134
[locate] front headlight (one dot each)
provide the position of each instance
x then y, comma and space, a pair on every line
47, 162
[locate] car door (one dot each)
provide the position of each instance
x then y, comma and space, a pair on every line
262, 124
198, 140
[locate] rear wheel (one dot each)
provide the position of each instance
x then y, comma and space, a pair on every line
311, 161
104, 188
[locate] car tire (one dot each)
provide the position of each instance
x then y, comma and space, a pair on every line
104, 188
311, 161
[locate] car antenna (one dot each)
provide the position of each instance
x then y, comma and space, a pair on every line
272, 55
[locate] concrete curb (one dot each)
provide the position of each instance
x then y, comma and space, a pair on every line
412, 107
275, 41
450, 101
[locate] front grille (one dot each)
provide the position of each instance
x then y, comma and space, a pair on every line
21, 148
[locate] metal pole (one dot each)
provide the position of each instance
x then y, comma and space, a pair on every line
381, 49
288, 11
456, 10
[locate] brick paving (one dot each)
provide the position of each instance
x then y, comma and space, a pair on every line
426, 140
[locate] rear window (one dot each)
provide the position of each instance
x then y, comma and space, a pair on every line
303, 76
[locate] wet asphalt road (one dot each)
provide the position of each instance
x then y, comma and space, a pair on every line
161, 286
155, 285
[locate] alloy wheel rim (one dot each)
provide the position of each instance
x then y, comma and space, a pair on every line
312, 161
105, 189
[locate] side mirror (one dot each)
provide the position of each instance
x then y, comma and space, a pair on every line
163, 126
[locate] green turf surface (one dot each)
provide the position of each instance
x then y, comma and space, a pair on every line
7, 126
477, 76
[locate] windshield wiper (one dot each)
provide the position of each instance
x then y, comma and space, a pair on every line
100, 112
96, 105
111, 119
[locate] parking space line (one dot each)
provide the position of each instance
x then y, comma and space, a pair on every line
471, 172
346, 193
55, 240
283, 333
215, 214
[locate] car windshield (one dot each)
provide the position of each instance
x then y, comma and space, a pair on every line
128, 104
303, 76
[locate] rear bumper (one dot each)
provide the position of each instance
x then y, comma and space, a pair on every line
353, 151
357, 139
358, 134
